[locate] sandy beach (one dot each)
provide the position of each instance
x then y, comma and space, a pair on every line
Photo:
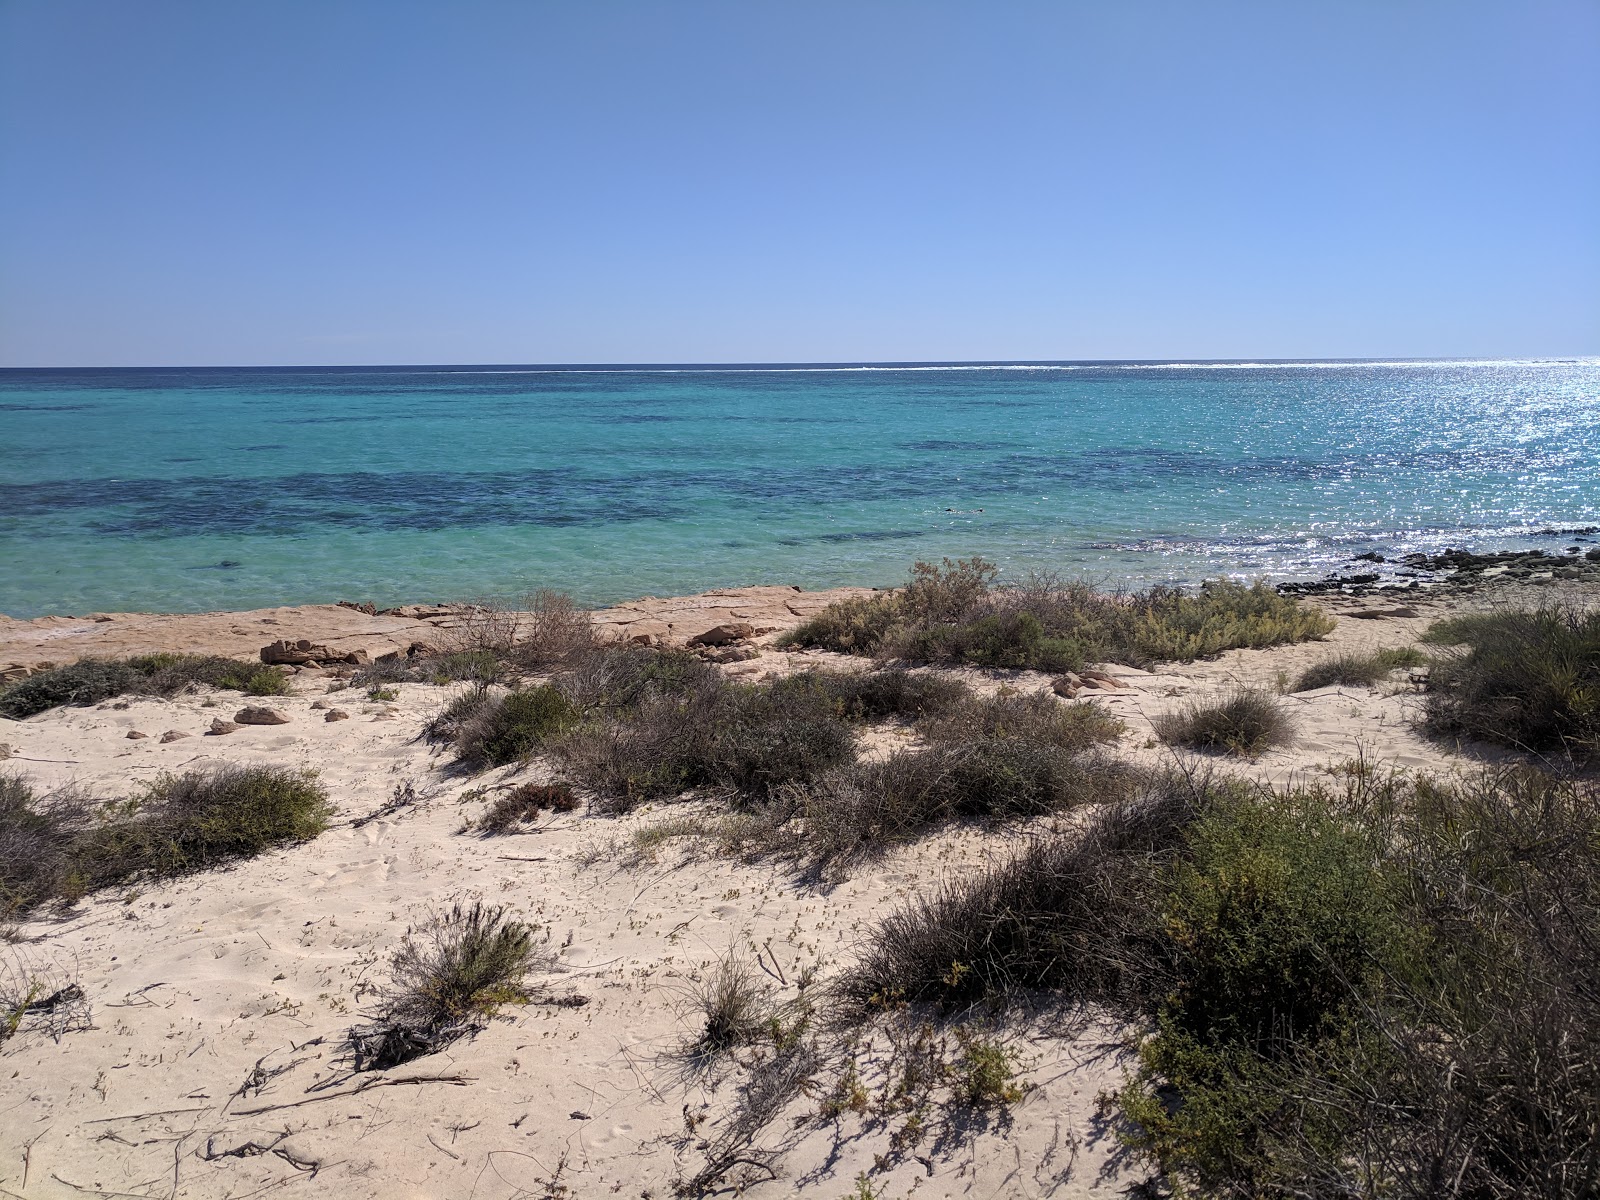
209, 1066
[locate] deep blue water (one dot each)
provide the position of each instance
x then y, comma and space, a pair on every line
192, 489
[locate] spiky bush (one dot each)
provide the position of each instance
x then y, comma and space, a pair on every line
1358, 670
448, 979
1246, 721
1529, 679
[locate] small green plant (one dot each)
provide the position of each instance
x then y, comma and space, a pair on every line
735, 1007
504, 729
1245, 722
985, 1073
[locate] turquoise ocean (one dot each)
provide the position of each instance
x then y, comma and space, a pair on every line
207, 488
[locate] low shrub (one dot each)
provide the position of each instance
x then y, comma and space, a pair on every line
735, 1006
876, 695
1357, 670
613, 678
447, 724
1073, 912
1386, 987
461, 666
954, 614
447, 981
1038, 717
58, 847
493, 731
743, 738
1246, 721
37, 834
523, 804
1525, 679
201, 819
871, 806
92, 680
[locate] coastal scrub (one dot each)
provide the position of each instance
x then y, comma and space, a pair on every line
954, 613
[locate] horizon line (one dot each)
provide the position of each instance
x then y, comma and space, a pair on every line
832, 365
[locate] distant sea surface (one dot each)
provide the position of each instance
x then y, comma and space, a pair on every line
194, 489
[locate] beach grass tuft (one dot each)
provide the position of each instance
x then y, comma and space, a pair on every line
1358, 670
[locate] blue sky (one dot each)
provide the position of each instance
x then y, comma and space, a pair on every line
614, 181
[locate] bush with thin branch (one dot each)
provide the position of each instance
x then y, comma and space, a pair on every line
522, 805
1246, 721
448, 979
58, 847
491, 731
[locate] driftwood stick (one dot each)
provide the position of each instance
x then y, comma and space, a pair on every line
457, 1080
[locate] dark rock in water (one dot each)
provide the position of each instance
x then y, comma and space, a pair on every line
1370, 556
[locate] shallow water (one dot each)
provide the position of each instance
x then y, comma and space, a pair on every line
194, 489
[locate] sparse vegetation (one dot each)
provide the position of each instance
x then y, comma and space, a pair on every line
93, 680
447, 981
876, 695
953, 613
1358, 670
1353, 990
735, 1006
522, 805
1246, 721
60, 846
1529, 679
867, 808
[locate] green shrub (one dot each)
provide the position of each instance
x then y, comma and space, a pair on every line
614, 678
1075, 912
190, 822
93, 680
60, 846
871, 806
954, 614
1526, 679
854, 626
1357, 670
1385, 988
37, 834
448, 980
746, 739
1246, 721
514, 726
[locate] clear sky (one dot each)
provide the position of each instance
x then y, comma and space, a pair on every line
376, 181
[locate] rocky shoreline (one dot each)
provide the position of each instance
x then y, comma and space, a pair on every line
1454, 571
311, 636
